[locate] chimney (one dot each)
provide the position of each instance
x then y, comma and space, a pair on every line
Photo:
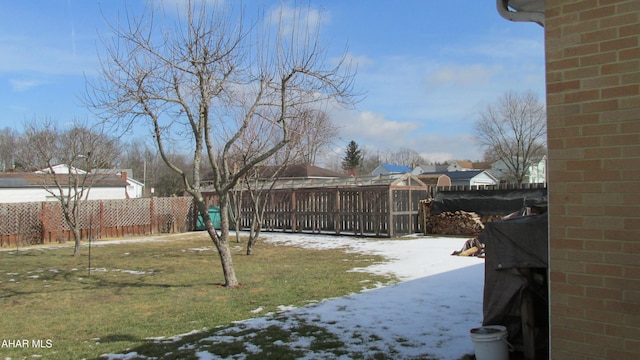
123, 175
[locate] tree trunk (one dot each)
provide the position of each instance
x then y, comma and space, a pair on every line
254, 233
76, 240
253, 237
221, 241
227, 264
237, 214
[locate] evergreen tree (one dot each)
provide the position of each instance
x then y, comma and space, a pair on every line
352, 158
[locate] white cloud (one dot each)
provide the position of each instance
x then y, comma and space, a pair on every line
297, 20
20, 85
461, 75
371, 127
28, 55
359, 62
375, 132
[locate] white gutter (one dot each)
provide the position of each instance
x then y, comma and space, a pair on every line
520, 16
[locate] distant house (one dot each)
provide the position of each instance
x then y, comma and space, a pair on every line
472, 178
61, 169
384, 169
458, 165
264, 176
429, 168
28, 187
535, 174
135, 188
461, 178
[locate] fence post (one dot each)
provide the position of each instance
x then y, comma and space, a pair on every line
392, 230
153, 220
101, 220
337, 217
294, 208
43, 222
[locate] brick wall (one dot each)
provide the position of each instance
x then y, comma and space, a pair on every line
593, 100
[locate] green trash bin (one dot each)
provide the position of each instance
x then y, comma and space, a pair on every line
214, 214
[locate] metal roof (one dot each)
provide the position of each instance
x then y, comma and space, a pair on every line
396, 168
458, 175
387, 180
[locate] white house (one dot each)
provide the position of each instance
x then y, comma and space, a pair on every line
535, 174
458, 165
135, 188
61, 169
472, 178
28, 187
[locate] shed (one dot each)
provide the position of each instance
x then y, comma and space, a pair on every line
383, 205
435, 180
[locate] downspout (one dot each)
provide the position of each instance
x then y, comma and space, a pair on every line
519, 16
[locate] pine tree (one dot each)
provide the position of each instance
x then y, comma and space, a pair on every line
352, 159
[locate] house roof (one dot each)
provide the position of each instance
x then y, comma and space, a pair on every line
298, 171
463, 175
459, 175
396, 168
464, 164
431, 167
119, 172
33, 180
113, 172
481, 165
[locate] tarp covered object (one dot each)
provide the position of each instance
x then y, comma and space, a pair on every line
488, 202
516, 261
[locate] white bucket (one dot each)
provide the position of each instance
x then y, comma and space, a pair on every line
490, 342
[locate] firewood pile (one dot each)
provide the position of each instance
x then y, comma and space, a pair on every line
454, 223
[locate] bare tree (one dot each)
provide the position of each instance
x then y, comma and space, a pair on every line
9, 139
513, 130
370, 160
311, 133
79, 150
142, 158
200, 81
403, 156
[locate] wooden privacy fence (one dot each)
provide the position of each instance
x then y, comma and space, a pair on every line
43, 222
362, 211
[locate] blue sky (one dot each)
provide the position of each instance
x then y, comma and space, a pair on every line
427, 67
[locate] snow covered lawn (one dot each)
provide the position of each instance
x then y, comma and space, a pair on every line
427, 315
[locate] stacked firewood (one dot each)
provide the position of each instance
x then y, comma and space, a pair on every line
454, 223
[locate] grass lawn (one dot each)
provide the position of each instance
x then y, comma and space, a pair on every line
53, 307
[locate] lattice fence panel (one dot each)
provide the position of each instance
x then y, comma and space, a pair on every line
126, 212
89, 215
174, 214
53, 221
20, 223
